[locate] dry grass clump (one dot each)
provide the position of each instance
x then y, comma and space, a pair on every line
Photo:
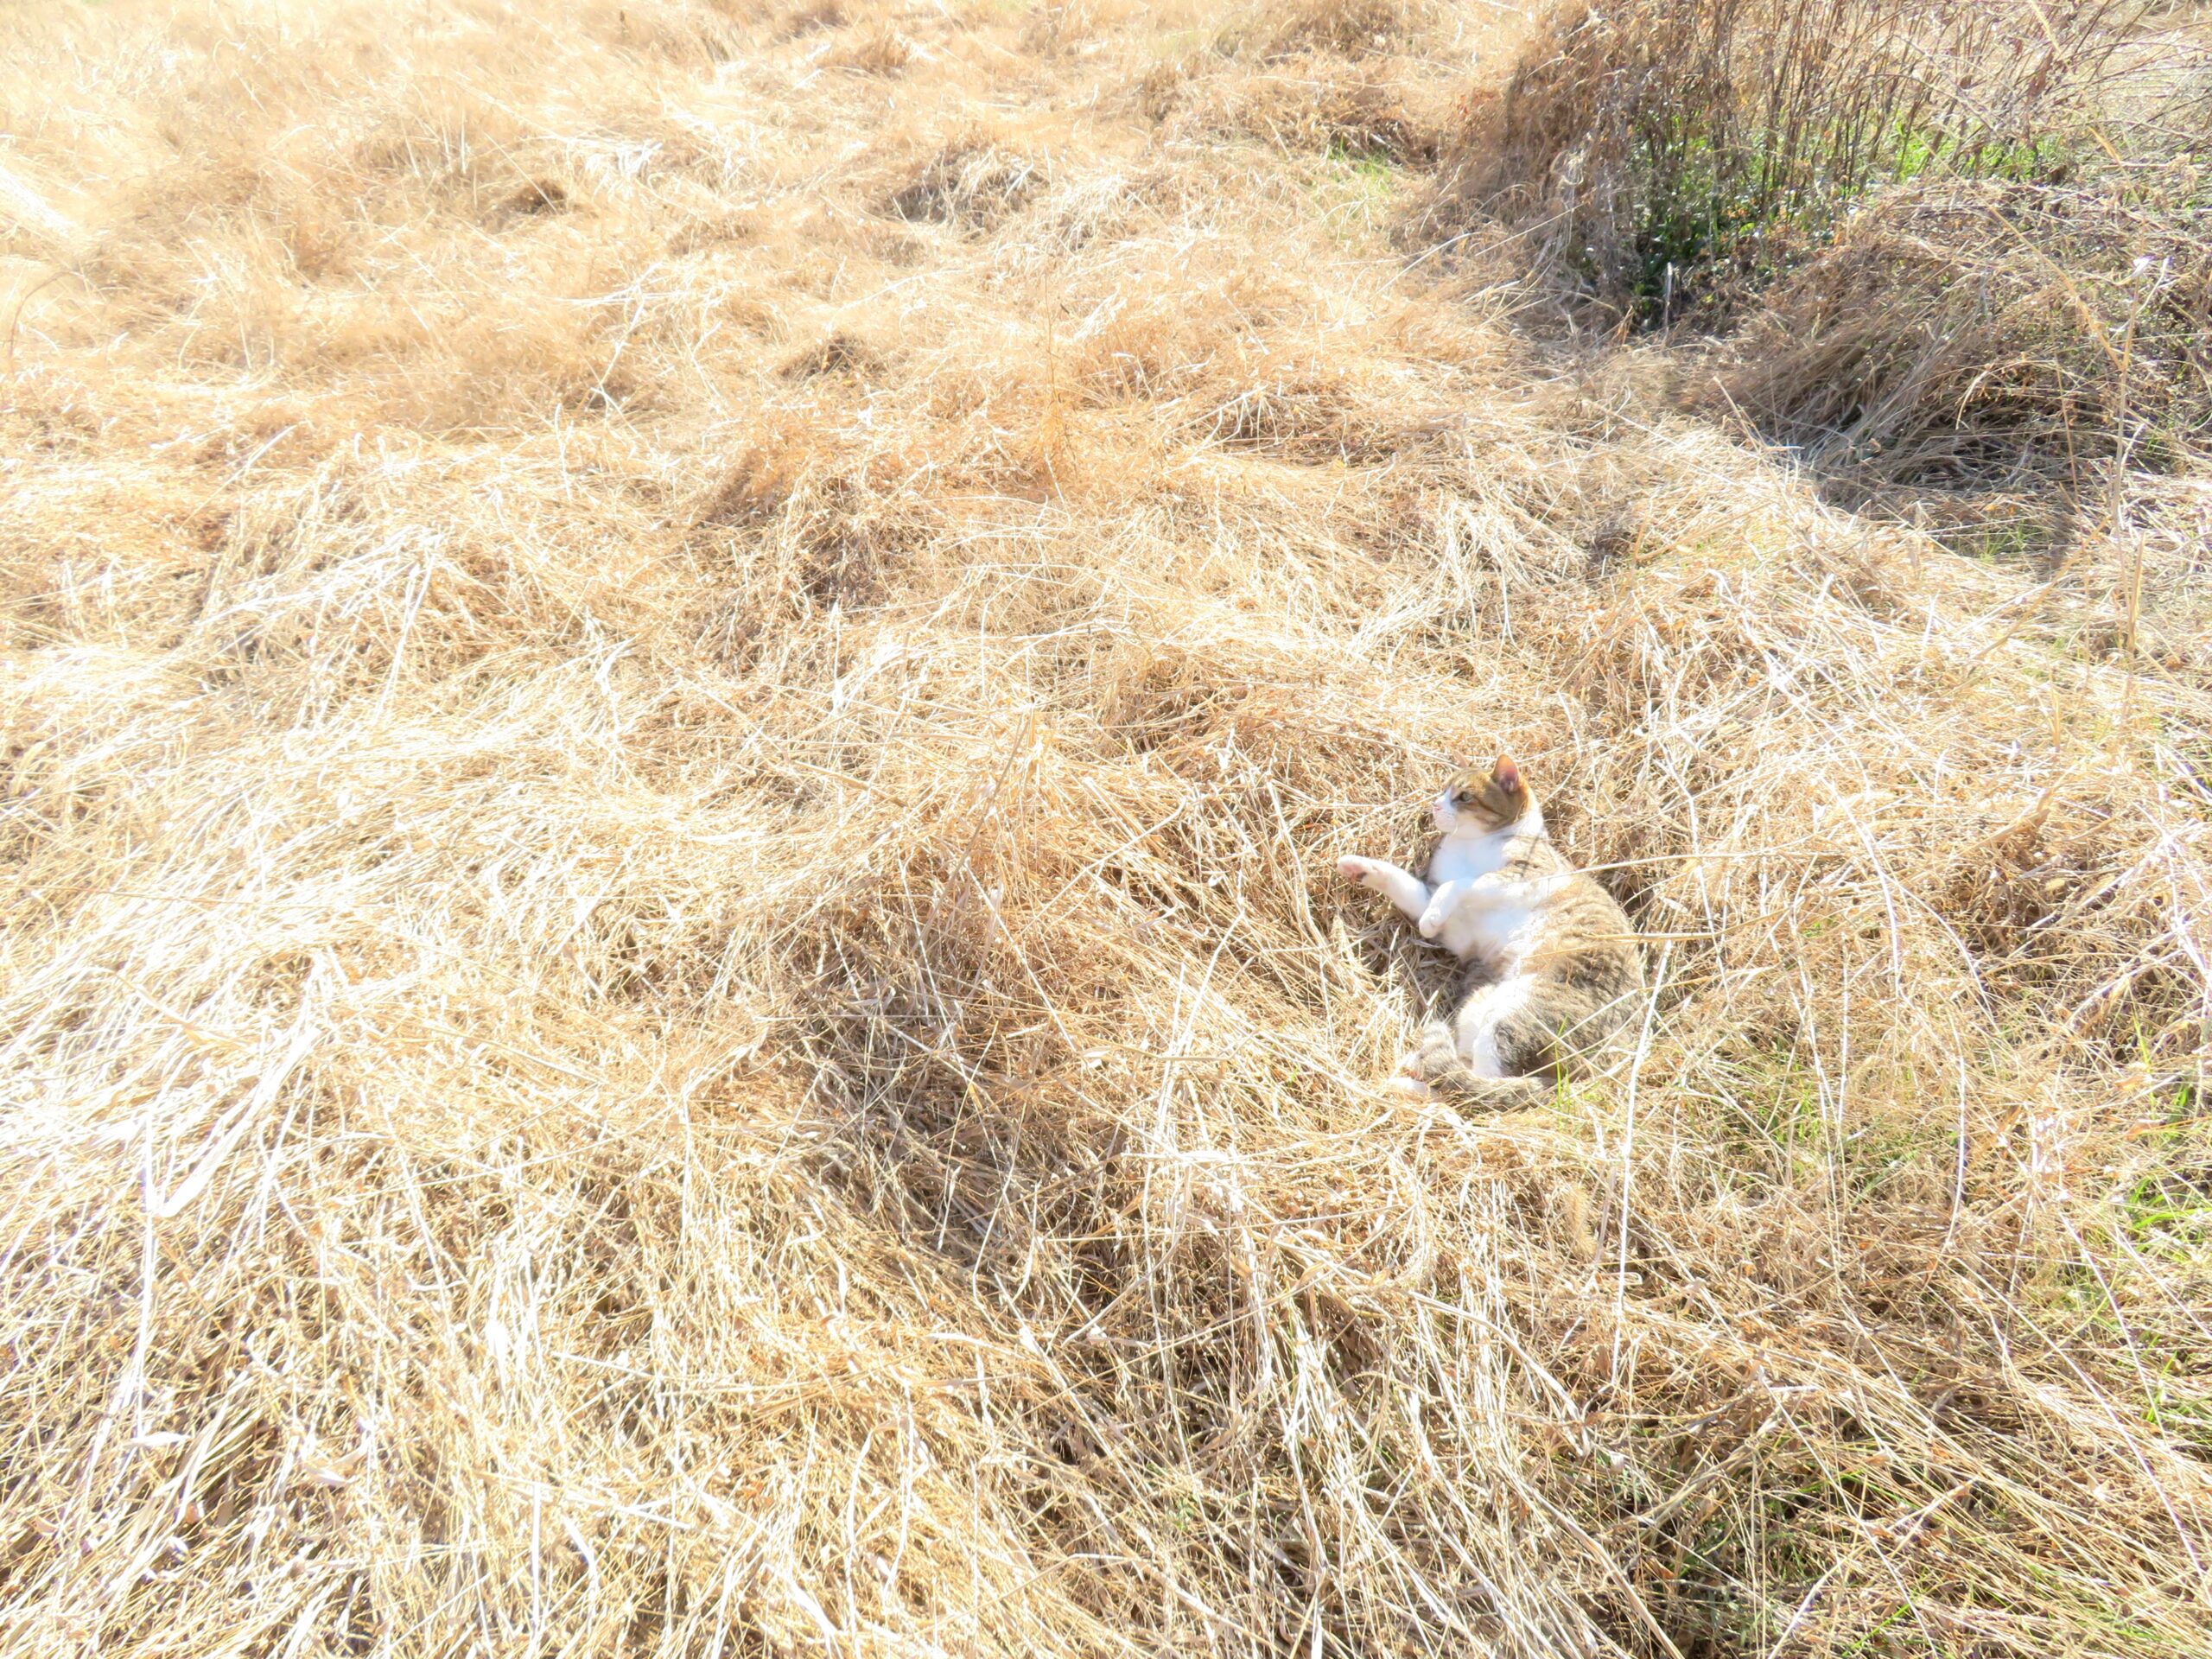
971, 182
879, 50
1359, 82
1326, 105
1956, 248
676, 985
1990, 331
1348, 26
1672, 158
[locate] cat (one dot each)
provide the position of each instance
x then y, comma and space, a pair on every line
1553, 972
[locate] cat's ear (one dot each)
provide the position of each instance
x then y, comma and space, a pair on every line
1506, 775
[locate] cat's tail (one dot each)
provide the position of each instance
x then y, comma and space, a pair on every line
1436, 1070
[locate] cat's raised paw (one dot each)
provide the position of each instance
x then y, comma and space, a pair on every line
1355, 870
1431, 924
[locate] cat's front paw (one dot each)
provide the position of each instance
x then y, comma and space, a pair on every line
1412, 1087
1431, 924
1357, 871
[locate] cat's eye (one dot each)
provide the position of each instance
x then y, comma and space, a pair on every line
1463, 798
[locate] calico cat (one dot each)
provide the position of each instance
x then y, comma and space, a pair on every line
1553, 973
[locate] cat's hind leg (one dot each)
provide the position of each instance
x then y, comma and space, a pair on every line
1438, 1071
1435, 1055
1443, 1075
1502, 1029
1408, 892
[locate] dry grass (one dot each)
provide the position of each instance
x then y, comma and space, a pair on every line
681, 683
1672, 157
1988, 332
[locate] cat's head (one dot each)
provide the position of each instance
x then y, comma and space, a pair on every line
1478, 802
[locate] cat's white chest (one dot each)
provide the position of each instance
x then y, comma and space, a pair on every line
1462, 858
1493, 919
